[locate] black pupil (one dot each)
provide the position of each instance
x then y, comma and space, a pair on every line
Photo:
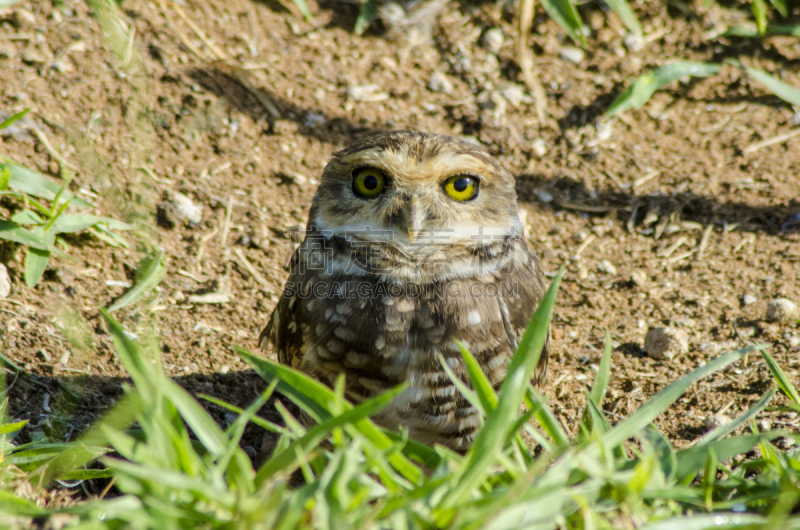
461, 185
370, 182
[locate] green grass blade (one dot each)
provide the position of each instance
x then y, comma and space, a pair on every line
12, 504
783, 90
600, 385
694, 458
482, 455
658, 403
303, 7
772, 30
8, 122
566, 15
483, 388
546, 418
760, 12
780, 7
725, 429
783, 381
625, 13
470, 395
35, 265
76, 222
286, 460
8, 428
5, 178
646, 85
148, 275
314, 398
368, 12
203, 426
718, 521
32, 183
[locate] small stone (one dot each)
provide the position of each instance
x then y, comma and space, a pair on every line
22, 18
793, 341
606, 267
5, 282
539, 147
665, 343
579, 236
764, 425
31, 57
544, 197
572, 55
583, 273
367, 93
796, 119
44, 355
225, 369
633, 42
187, 209
514, 94
440, 83
493, 40
749, 299
782, 310
712, 422
61, 66
7, 53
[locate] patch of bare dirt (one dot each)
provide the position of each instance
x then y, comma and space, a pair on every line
663, 214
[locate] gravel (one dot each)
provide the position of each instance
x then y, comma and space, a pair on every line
665, 343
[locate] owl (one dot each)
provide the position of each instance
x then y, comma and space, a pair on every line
413, 242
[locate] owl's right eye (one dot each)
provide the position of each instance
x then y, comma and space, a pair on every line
369, 182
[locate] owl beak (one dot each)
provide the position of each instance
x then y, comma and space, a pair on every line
415, 218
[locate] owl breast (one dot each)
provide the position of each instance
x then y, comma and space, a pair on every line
384, 317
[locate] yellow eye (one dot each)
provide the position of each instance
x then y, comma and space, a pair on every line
461, 187
369, 182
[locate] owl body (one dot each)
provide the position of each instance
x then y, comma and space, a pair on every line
384, 285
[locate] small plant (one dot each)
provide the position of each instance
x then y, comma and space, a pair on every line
179, 469
37, 225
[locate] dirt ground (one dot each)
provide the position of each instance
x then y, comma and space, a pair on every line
664, 215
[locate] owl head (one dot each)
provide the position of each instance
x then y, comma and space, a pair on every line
411, 188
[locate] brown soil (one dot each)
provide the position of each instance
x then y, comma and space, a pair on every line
247, 145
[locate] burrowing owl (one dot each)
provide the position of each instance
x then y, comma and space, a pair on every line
413, 242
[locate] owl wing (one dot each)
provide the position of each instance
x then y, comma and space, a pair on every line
523, 289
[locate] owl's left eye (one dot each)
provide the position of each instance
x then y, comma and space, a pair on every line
461, 187
369, 182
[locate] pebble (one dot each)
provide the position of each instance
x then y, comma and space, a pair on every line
544, 197
749, 299
5, 282
638, 277
514, 94
367, 93
61, 67
606, 267
187, 209
22, 18
493, 40
782, 310
539, 147
31, 57
764, 425
712, 422
572, 55
665, 343
44, 355
440, 83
